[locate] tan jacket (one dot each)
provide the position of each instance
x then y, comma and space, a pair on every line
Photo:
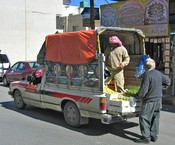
116, 56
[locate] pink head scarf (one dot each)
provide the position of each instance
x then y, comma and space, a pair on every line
39, 73
115, 40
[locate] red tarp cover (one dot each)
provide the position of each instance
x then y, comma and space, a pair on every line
72, 47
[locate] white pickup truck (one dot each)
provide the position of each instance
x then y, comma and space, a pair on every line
72, 77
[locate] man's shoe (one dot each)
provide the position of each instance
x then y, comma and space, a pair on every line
142, 140
154, 138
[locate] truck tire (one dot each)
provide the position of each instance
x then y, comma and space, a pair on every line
72, 114
19, 103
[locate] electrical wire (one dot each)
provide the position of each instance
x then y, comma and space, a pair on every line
106, 1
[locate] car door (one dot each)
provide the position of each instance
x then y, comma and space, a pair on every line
10, 75
20, 71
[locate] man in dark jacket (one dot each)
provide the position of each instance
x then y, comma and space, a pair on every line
151, 94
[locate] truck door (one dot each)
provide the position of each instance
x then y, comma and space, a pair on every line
33, 90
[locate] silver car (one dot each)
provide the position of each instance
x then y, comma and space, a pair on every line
4, 64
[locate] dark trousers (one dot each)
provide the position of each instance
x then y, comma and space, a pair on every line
149, 119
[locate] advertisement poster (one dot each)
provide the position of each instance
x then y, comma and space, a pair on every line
151, 16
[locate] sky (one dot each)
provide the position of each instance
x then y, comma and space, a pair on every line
97, 3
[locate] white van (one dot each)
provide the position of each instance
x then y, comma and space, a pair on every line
4, 64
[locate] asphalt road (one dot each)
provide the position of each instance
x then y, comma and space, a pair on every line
34, 126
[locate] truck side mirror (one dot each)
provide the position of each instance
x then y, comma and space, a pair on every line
29, 78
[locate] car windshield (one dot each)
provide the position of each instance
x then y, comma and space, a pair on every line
3, 58
33, 64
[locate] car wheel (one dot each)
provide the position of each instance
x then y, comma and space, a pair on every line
19, 103
5, 82
72, 114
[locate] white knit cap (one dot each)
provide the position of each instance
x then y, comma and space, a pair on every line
150, 63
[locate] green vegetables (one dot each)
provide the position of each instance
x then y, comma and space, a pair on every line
133, 91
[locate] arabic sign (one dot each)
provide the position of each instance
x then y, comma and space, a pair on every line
156, 12
151, 16
131, 13
108, 16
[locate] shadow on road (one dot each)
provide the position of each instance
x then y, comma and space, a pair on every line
94, 128
1, 84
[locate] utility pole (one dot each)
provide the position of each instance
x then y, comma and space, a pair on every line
92, 23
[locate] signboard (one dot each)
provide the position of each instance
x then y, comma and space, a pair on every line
109, 16
66, 2
151, 16
86, 22
86, 16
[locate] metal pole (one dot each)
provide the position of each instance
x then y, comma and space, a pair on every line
92, 23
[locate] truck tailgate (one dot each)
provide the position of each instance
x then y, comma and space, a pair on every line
122, 104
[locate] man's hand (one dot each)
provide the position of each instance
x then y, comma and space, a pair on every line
122, 65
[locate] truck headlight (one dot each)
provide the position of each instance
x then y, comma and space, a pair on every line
132, 102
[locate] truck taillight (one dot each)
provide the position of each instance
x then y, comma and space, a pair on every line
103, 104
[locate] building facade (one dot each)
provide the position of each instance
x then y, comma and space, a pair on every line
152, 17
25, 23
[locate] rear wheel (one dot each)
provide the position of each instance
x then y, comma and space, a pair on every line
5, 82
19, 103
72, 114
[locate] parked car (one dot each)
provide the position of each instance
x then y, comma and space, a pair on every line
4, 64
19, 71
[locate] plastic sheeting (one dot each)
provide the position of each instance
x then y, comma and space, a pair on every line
72, 47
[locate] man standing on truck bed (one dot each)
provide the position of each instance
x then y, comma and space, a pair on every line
116, 59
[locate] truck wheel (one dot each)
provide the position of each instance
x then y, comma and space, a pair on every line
72, 114
19, 103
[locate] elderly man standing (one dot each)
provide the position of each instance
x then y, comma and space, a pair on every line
116, 59
151, 93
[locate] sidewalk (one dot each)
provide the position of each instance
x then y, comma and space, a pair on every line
168, 100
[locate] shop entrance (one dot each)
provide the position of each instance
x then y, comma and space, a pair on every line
155, 51
159, 49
